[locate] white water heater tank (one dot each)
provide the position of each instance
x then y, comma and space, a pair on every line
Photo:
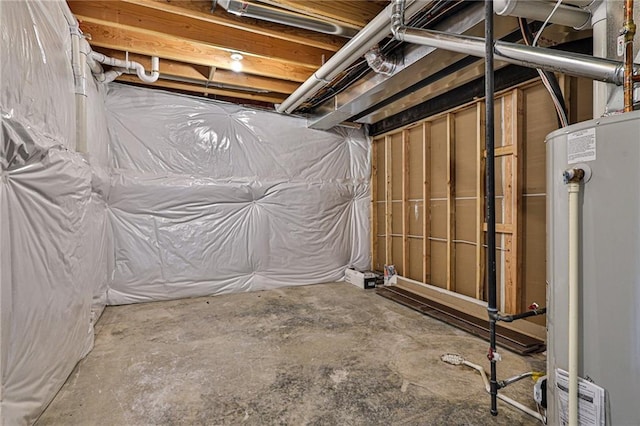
609, 266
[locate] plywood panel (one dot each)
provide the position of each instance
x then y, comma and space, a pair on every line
396, 218
534, 252
396, 254
415, 259
381, 218
381, 257
581, 100
465, 152
439, 163
396, 166
439, 264
539, 120
497, 119
381, 168
415, 218
499, 169
439, 219
465, 275
415, 162
466, 222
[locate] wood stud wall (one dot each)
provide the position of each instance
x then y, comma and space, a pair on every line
442, 159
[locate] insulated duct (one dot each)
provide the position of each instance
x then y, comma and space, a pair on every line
369, 36
380, 63
540, 10
575, 64
280, 16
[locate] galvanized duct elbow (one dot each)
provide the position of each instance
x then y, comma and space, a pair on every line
397, 17
380, 63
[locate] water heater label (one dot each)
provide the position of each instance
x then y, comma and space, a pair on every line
581, 146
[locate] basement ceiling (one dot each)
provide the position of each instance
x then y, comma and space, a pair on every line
195, 40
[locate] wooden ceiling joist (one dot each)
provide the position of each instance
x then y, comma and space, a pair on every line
202, 10
201, 73
142, 18
108, 35
195, 88
354, 14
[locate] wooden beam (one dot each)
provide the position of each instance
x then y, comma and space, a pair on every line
274, 99
480, 202
512, 201
501, 228
388, 205
104, 34
154, 21
201, 73
405, 203
354, 14
202, 10
502, 151
374, 203
426, 201
518, 188
451, 204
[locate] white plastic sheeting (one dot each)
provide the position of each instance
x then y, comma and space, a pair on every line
210, 197
52, 223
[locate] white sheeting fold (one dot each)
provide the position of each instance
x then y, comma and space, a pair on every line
211, 198
53, 240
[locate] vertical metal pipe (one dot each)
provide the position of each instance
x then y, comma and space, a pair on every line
629, 33
491, 199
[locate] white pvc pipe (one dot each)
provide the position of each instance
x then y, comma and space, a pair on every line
574, 193
540, 11
369, 36
78, 61
131, 65
506, 399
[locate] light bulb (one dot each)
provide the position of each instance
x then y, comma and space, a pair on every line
236, 66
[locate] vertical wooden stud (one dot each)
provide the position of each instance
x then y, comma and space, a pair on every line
518, 188
512, 182
374, 203
426, 202
451, 204
405, 203
388, 205
480, 202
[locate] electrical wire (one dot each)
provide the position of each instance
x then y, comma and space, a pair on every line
535, 40
356, 71
549, 79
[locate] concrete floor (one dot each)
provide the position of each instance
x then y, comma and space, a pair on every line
327, 354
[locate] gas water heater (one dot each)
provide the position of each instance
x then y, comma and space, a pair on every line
607, 323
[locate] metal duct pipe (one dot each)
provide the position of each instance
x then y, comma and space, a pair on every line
369, 36
380, 63
540, 10
575, 64
271, 14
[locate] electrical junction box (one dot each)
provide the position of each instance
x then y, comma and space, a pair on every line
364, 280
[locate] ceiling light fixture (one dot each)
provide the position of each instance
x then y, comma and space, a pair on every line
236, 62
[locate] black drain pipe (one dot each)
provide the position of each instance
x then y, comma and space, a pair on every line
491, 199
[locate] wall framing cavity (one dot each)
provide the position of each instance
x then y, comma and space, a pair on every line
438, 247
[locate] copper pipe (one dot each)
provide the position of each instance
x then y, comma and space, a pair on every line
629, 33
